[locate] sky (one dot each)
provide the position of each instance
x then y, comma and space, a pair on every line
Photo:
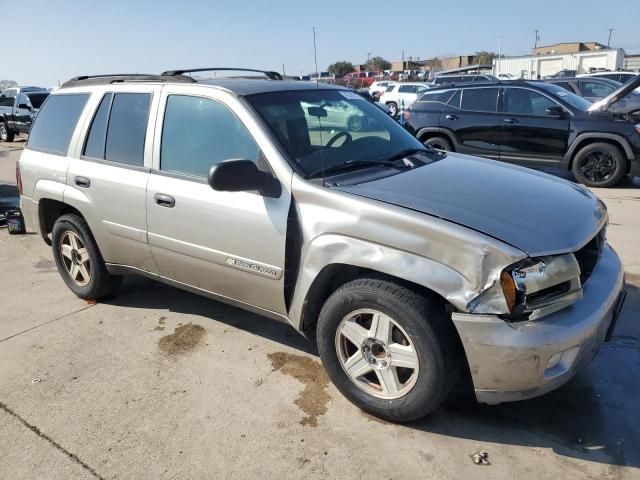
54, 40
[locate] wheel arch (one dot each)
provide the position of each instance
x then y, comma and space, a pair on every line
49, 210
430, 132
583, 140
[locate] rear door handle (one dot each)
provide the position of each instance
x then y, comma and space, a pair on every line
510, 121
451, 117
83, 182
165, 200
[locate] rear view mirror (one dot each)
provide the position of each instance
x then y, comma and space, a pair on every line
243, 176
555, 111
317, 112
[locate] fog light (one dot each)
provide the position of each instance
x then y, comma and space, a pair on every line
555, 360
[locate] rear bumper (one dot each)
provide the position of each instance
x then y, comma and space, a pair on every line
511, 361
29, 210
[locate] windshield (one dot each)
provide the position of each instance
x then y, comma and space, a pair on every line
566, 96
326, 128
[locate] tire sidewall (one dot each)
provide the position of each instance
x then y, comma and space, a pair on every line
4, 132
60, 227
418, 401
614, 151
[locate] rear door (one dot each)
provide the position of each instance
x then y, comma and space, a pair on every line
476, 124
229, 243
108, 176
530, 135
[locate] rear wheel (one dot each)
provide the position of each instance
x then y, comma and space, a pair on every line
79, 260
599, 165
390, 351
439, 143
6, 135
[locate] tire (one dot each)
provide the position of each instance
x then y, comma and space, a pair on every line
421, 335
599, 165
439, 143
355, 123
393, 109
6, 135
72, 235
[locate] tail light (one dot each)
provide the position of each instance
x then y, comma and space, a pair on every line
18, 178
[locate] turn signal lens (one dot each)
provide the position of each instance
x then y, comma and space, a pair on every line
509, 289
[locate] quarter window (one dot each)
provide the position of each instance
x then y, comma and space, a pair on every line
55, 123
442, 96
198, 133
527, 102
480, 99
98, 131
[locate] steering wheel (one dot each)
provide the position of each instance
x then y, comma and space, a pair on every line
342, 133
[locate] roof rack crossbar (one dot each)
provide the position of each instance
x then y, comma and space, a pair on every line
271, 75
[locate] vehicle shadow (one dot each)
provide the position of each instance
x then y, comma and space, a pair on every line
594, 417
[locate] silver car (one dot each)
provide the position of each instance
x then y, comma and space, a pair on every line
414, 266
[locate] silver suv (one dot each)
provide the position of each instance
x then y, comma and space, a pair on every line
416, 267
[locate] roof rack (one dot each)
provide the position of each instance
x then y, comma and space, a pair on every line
269, 74
84, 80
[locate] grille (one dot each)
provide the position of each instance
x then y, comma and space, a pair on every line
588, 255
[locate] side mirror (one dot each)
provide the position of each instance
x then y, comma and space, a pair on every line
555, 112
24, 106
243, 176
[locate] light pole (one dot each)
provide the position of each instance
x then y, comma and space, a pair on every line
499, 55
609, 41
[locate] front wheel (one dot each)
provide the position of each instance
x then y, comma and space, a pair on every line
439, 143
389, 350
599, 165
79, 260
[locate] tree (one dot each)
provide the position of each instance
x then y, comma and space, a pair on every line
485, 58
340, 69
378, 64
4, 84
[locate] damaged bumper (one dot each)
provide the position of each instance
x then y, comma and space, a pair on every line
520, 360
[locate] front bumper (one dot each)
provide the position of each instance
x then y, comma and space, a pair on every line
511, 361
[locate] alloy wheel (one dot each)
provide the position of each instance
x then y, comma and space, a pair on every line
377, 354
598, 166
75, 258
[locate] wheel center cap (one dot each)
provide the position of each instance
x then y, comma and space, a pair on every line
75, 257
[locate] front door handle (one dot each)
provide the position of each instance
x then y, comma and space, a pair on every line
83, 182
165, 200
510, 121
451, 117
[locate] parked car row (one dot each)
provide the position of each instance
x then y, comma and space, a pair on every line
532, 123
18, 108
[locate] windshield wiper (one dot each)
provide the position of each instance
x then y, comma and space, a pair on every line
359, 163
409, 151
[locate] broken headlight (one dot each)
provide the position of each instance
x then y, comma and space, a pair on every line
538, 286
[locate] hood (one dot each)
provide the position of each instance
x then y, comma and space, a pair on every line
619, 94
532, 211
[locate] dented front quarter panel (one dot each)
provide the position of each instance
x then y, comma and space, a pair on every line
456, 262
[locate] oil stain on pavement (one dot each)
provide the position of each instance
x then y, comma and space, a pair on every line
314, 397
184, 339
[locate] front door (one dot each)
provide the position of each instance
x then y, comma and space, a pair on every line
531, 134
229, 243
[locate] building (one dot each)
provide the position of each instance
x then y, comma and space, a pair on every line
571, 47
632, 62
538, 66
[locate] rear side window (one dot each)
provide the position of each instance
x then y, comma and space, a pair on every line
590, 88
118, 128
390, 88
198, 133
408, 89
527, 102
565, 85
480, 99
55, 123
442, 96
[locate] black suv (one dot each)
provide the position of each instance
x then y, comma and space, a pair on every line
531, 123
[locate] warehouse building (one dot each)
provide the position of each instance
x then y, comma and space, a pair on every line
542, 65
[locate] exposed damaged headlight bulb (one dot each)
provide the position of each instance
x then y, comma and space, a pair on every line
528, 274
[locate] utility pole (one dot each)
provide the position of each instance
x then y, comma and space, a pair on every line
402, 61
499, 55
535, 44
609, 41
368, 57
283, 74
